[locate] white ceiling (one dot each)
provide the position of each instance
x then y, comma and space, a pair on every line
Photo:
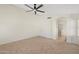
54, 9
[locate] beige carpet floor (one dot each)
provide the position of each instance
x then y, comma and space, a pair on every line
38, 45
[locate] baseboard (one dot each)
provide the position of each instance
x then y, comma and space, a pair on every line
14, 40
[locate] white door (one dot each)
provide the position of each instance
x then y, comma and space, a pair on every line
70, 30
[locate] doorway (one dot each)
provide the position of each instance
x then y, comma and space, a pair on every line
67, 29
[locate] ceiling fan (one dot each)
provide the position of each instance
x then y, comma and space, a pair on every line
35, 8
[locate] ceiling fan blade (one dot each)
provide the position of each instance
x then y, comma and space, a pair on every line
35, 12
39, 6
34, 6
40, 11
29, 11
28, 6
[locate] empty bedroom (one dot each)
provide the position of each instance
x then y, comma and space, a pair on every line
39, 28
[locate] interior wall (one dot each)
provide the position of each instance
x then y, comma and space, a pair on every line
15, 24
50, 30
49, 27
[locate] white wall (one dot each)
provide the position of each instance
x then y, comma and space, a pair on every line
49, 27
15, 24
